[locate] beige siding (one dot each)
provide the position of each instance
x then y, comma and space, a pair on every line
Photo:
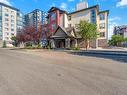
106, 25
77, 17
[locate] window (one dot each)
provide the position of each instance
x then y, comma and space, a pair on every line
102, 25
93, 16
93, 12
69, 25
6, 19
12, 29
12, 25
69, 18
12, 21
7, 33
6, 10
53, 16
54, 26
12, 12
0, 17
6, 24
102, 16
102, 34
12, 34
12, 16
6, 29
6, 14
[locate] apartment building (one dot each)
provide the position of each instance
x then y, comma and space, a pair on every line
11, 19
62, 26
121, 30
35, 18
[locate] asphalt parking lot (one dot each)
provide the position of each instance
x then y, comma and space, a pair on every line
60, 73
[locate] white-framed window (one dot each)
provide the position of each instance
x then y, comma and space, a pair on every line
6, 24
102, 25
12, 16
6, 29
6, 19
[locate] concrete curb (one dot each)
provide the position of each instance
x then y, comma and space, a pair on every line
102, 53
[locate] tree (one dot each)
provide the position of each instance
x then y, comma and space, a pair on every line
4, 44
125, 39
88, 31
14, 39
27, 34
39, 33
116, 40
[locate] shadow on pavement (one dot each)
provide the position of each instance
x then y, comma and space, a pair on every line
120, 56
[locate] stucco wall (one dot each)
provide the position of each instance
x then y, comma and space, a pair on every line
77, 17
9, 22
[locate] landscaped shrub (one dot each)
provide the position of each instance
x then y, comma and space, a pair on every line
4, 44
75, 48
28, 44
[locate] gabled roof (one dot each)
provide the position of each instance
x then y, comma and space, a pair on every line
96, 6
55, 8
67, 31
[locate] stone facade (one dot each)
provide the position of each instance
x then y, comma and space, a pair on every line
102, 43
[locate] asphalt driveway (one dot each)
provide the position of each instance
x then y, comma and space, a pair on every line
60, 73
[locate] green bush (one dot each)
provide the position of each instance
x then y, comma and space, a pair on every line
116, 40
4, 44
28, 44
28, 47
39, 46
75, 48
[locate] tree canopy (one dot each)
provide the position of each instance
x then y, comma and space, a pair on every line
116, 40
87, 31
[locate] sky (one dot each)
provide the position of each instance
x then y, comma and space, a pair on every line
117, 8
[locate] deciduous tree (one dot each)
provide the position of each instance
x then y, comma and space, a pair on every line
87, 31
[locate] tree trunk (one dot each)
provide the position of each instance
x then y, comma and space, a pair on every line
87, 44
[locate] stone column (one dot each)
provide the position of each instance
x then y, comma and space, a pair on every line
52, 43
96, 43
76, 43
67, 43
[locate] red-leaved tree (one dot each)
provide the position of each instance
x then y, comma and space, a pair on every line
33, 34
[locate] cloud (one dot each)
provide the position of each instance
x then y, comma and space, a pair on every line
121, 3
5, 2
63, 6
114, 19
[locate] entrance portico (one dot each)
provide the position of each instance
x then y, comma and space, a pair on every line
63, 38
